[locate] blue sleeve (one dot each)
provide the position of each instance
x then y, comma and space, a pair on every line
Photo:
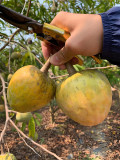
111, 40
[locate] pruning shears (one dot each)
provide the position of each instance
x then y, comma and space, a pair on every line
45, 32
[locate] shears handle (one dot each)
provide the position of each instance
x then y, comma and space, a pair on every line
60, 35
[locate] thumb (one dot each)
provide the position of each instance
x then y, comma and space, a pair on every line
60, 57
63, 55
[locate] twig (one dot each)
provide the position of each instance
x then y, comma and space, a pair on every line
2, 34
54, 2
12, 41
7, 148
9, 60
1, 92
12, 111
29, 5
24, 7
28, 144
12, 36
6, 109
2, 147
33, 141
111, 66
4, 95
38, 60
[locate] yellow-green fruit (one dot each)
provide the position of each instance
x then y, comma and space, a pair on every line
30, 89
23, 117
86, 97
2, 108
9, 77
16, 55
7, 156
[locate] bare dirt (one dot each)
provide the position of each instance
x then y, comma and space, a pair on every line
70, 140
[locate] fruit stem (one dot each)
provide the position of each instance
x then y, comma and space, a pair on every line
46, 66
70, 68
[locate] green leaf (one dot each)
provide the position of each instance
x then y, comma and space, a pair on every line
76, 68
39, 116
85, 3
3, 34
89, 2
32, 58
24, 58
23, 126
31, 127
38, 122
53, 69
35, 136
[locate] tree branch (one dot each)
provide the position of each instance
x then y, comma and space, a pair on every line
6, 109
29, 5
28, 144
53, 154
11, 37
111, 66
13, 42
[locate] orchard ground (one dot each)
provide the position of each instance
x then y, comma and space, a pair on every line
68, 139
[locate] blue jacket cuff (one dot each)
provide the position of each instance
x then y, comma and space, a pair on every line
111, 40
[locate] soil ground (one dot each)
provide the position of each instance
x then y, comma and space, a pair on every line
70, 140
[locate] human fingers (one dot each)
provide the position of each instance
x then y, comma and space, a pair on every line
66, 53
61, 20
64, 20
46, 50
73, 61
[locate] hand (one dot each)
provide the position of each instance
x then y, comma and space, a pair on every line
86, 38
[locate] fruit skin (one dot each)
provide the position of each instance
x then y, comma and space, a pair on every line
23, 117
7, 156
30, 89
86, 97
